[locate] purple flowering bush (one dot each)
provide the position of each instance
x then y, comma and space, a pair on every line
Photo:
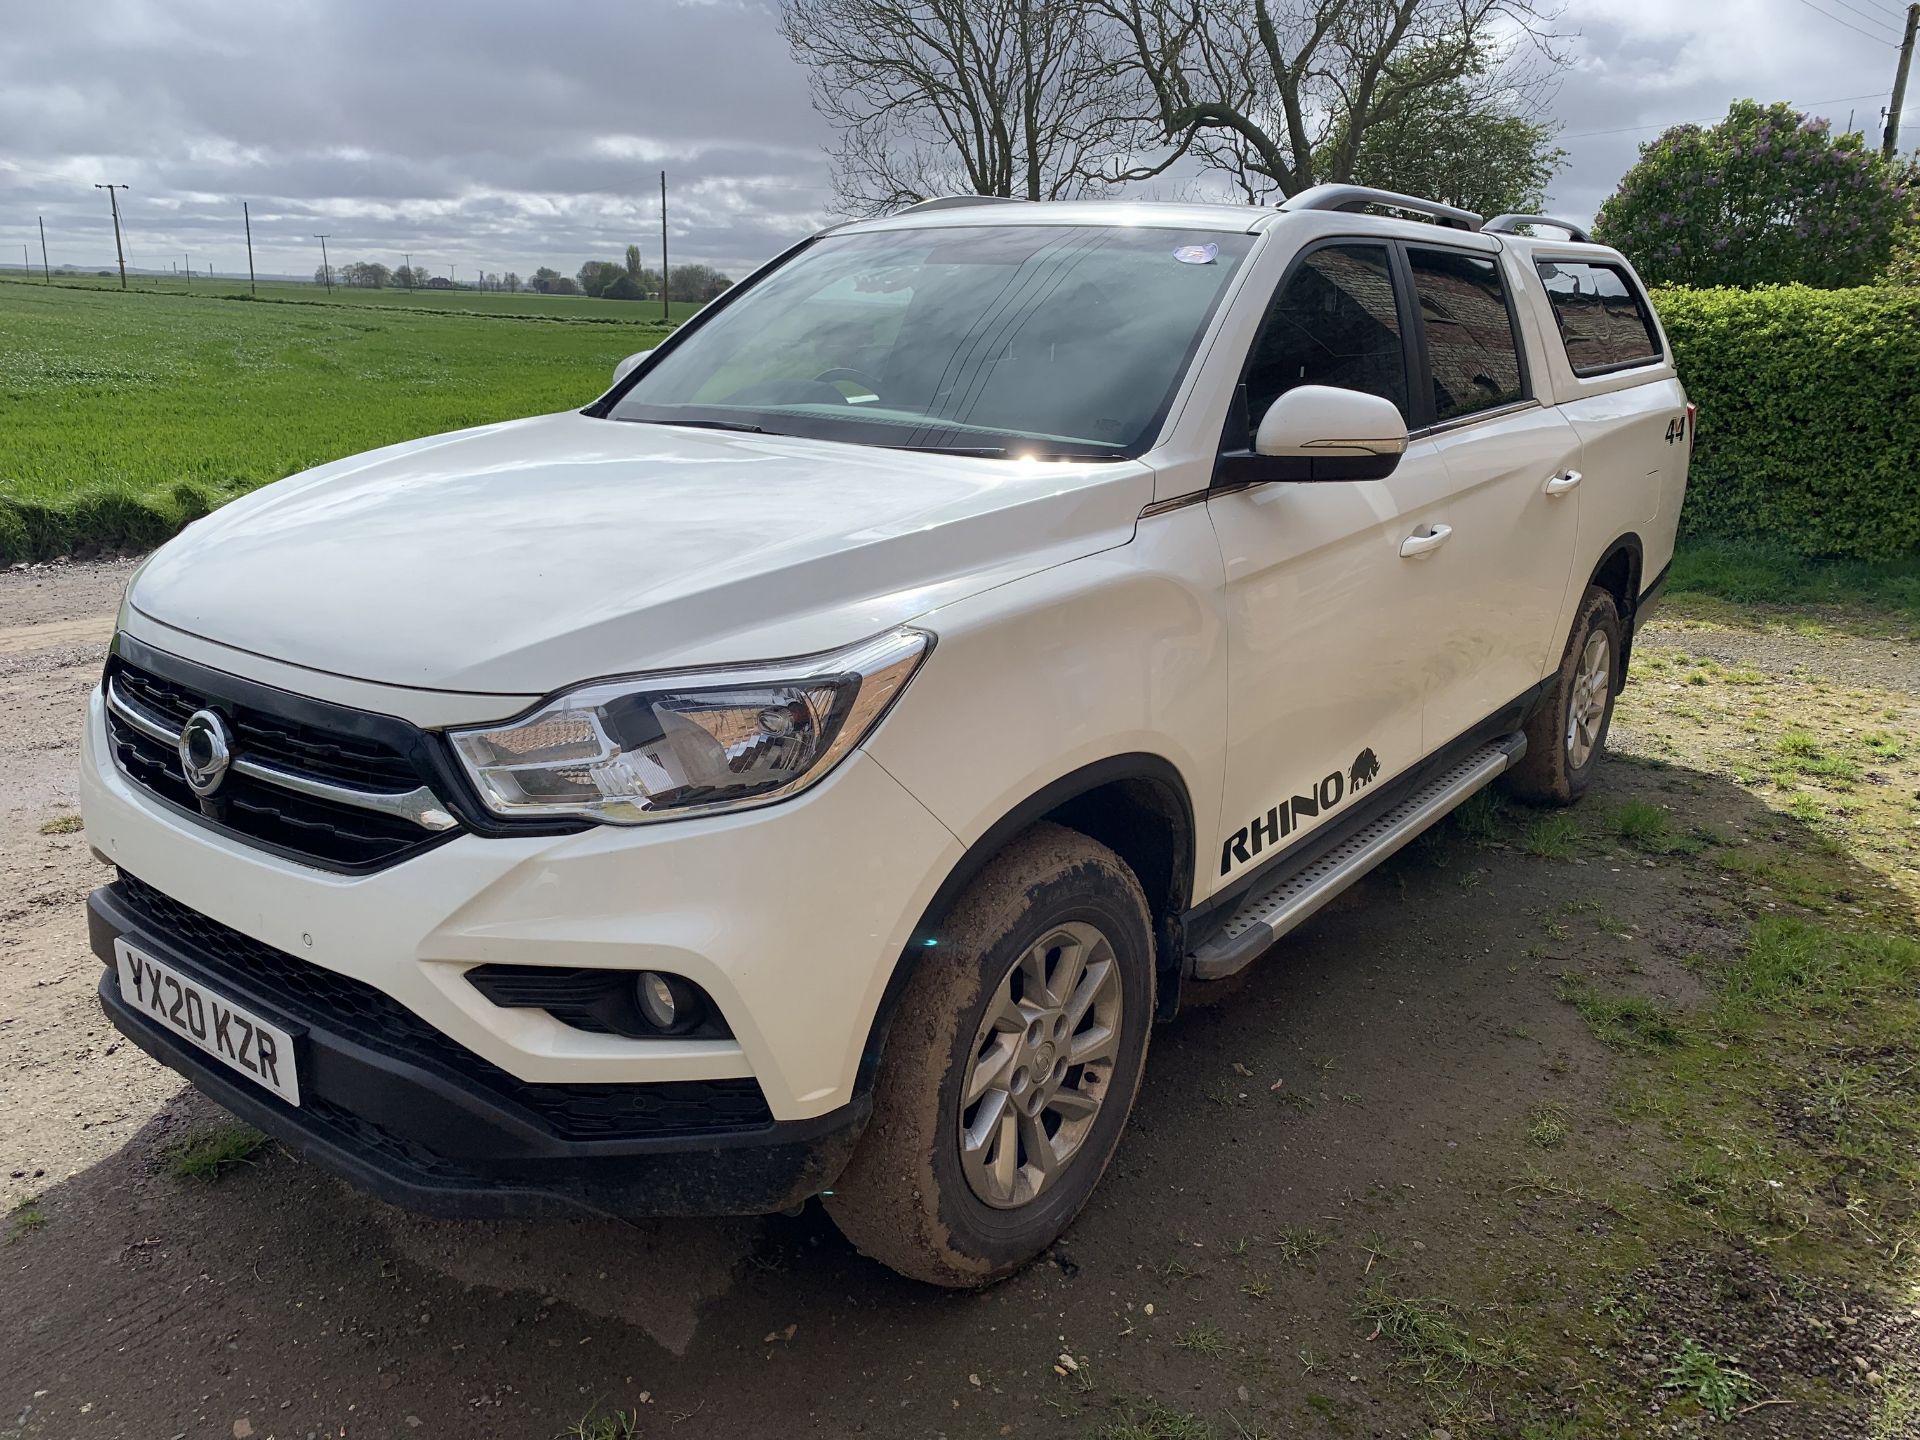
1768, 196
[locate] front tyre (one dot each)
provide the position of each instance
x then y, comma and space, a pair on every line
1010, 1067
1566, 734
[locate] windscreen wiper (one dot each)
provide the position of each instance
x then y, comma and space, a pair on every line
740, 425
1002, 452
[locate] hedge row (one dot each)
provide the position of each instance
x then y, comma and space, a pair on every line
1809, 425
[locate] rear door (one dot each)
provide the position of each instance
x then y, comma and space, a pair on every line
1513, 468
1328, 625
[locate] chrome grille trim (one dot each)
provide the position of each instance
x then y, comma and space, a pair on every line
420, 805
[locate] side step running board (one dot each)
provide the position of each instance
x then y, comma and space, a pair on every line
1271, 912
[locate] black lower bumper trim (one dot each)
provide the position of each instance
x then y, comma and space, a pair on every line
419, 1139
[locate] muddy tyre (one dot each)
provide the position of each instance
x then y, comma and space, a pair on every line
1566, 734
1010, 1067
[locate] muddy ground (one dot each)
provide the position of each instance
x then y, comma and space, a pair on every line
1454, 1160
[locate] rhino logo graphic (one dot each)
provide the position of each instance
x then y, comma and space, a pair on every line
1366, 765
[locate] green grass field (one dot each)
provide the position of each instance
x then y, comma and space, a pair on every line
123, 416
482, 302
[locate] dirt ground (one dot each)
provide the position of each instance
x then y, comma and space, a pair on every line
1483, 1150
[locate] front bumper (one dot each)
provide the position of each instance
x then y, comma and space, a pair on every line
791, 918
406, 1114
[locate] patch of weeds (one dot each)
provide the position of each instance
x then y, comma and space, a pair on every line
1898, 1415
598, 1424
1298, 1244
1478, 817
1548, 1128
1801, 965
1646, 827
1550, 836
1155, 1422
27, 1217
1429, 1336
1625, 1022
1709, 1378
1833, 770
61, 825
1744, 675
1203, 1340
1881, 745
208, 1154
1798, 744
1257, 1289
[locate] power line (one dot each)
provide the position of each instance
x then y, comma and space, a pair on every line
1709, 119
1864, 14
1848, 25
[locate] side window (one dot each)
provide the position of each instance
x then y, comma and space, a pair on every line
1333, 323
1472, 352
1604, 322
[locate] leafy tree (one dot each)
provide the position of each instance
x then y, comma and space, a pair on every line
597, 276
1769, 196
512, 282
365, 274
548, 281
1463, 143
697, 283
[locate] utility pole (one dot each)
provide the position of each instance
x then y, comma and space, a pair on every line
1891, 145
409, 255
246, 217
326, 270
665, 284
45, 268
118, 248
188, 257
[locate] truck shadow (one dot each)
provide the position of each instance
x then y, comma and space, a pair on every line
1369, 1081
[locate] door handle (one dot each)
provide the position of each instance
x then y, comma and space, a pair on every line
1415, 546
1560, 484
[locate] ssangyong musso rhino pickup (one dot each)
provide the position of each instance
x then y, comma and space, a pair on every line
813, 767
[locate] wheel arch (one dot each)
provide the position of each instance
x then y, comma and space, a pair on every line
1137, 805
1618, 572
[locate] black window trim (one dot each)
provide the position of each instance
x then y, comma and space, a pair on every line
1529, 397
1633, 287
1235, 464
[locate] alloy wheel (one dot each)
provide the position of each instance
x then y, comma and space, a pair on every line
1041, 1065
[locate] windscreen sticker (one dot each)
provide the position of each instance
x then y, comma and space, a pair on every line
1197, 254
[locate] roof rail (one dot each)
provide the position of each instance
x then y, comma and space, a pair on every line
1359, 197
954, 202
1514, 224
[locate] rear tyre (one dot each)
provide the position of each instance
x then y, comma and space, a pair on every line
1569, 729
1009, 1069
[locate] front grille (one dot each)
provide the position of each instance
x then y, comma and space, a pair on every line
341, 747
311, 994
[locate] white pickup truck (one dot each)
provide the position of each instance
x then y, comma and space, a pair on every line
813, 767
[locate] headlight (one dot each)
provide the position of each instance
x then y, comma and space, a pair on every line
660, 747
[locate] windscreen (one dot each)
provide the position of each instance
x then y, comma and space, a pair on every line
1019, 340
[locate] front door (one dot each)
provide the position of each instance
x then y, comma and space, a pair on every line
1329, 622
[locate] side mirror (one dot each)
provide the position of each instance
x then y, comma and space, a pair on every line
1332, 434
625, 367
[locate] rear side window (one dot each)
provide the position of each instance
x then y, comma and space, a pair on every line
1472, 354
1335, 322
1604, 321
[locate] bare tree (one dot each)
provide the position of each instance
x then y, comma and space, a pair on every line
1027, 98
1282, 94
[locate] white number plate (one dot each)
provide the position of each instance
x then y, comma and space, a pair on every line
261, 1052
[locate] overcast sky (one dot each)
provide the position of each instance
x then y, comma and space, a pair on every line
515, 135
